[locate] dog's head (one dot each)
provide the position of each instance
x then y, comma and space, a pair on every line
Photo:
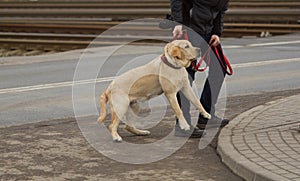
182, 52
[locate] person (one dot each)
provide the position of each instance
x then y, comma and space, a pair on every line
204, 18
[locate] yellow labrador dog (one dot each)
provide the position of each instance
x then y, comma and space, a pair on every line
165, 74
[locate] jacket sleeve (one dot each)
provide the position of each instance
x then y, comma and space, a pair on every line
219, 21
180, 10
176, 10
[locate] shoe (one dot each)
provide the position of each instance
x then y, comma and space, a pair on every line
211, 123
194, 132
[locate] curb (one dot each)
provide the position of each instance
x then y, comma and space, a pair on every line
239, 164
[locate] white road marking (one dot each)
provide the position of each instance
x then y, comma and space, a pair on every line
268, 62
232, 46
261, 44
54, 85
273, 43
107, 79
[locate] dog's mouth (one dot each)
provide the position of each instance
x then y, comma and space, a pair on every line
193, 59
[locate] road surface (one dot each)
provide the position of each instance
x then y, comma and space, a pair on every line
38, 88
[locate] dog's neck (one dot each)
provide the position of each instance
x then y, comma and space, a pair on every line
165, 58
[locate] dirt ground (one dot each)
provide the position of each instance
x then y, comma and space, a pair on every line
57, 150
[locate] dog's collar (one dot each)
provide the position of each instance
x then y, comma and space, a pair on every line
165, 60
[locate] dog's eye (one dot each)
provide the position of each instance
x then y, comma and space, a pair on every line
187, 46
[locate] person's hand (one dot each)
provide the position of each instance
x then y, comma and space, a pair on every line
214, 40
177, 32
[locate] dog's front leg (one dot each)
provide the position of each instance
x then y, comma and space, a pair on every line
175, 106
190, 95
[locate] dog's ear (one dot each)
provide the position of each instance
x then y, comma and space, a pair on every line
176, 52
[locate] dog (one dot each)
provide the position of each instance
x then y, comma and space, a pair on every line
165, 74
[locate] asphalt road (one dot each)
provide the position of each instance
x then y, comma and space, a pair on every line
44, 88
36, 88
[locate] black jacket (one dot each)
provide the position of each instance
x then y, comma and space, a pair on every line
206, 17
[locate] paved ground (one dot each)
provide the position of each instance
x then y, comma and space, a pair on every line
263, 143
56, 150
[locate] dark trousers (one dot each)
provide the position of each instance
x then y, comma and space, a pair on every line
213, 83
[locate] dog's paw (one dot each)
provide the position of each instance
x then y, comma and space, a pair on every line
185, 127
206, 115
117, 139
145, 133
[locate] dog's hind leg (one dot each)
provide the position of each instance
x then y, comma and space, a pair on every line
113, 127
118, 111
136, 131
131, 117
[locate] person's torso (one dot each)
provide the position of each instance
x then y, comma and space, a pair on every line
204, 13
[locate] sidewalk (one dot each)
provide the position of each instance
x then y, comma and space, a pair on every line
57, 150
263, 143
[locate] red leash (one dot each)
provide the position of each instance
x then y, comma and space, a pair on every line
217, 49
206, 56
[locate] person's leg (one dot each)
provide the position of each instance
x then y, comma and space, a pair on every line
184, 103
202, 43
213, 85
210, 94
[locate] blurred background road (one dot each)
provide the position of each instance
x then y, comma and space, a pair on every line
35, 88
43, 90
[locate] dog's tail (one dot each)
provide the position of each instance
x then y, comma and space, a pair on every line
103, 101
